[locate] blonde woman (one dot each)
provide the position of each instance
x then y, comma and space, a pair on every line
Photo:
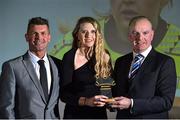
83, 65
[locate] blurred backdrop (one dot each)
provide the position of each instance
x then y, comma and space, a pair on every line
62, 16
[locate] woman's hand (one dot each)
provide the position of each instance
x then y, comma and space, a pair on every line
96, 101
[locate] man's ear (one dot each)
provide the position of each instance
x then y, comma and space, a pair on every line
152, 34
129, 37
26, 36
49, 37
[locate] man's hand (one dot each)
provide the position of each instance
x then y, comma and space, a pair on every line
121, 103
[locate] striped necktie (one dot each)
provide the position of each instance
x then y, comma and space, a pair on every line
136, 65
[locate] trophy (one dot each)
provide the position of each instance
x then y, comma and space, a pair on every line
105, 89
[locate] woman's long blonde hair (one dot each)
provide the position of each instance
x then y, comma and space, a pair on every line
103, 62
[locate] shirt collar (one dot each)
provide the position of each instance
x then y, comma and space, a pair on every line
35, 59
145, 53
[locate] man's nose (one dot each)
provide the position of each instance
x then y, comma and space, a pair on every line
38, 36
141, 36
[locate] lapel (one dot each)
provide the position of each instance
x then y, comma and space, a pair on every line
145, 67
54, 82
30, 69
128, 62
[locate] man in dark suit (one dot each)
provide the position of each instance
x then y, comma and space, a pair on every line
23, 94
145, 86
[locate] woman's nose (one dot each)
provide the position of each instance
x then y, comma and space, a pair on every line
87, 34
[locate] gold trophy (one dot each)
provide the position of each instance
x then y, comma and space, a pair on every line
105, 89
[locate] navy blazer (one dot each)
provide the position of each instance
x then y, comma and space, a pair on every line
152, 89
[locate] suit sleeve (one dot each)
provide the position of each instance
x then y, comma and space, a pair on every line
164, 93
67, 95
7, 92
114, 75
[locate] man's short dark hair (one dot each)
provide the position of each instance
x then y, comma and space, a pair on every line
37, 21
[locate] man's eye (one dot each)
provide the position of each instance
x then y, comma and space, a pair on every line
145, 33
135, 33
33, 33
44, 33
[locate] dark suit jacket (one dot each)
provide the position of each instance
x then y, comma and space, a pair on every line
21, 94
152, 89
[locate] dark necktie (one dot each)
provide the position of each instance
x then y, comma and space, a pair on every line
43, 78
136, 65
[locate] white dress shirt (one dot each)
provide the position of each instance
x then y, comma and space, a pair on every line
34, 59
145, 53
